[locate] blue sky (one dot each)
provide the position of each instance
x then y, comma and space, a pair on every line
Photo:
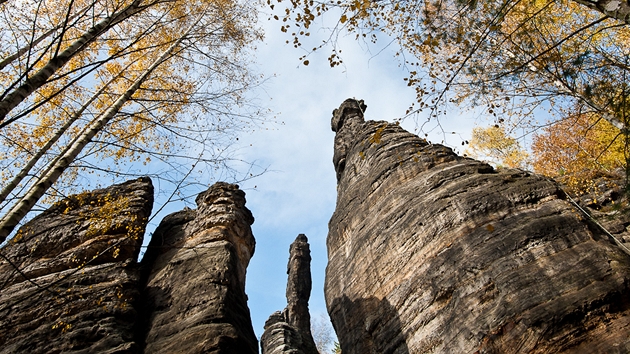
297, 194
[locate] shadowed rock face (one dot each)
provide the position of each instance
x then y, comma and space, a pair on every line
194, 268
72, 279
432, 252
289, 331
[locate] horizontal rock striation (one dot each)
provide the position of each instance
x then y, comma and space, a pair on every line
194, 271
69, 278
70, 281
289, 331
430, 252
279, 337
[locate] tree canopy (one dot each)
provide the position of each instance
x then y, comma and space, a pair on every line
578, 151
521, 62
494, 144
119, 88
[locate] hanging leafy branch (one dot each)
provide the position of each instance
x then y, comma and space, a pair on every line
519, 62
481, 52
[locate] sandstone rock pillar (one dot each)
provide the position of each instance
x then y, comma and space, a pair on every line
289, 331
432, 252
194, 271
69, 278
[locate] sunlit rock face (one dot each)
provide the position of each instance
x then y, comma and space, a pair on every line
432, 252
289, 331
194, 271
69, 278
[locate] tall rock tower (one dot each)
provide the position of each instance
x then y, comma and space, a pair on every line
194, 272
289, 331
70, 281
430, 252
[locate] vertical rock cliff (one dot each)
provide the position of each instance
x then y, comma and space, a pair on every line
69, 278
70, 281
194, 271
289, 331
430, 252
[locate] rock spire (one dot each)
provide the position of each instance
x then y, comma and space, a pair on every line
69, 278
195, 268
289, 331
70, 281
432, 252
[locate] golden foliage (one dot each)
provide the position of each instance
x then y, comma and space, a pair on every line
474, 48
514, 59
494, 144
181, 104
578, 150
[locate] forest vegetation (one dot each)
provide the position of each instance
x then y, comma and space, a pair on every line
533, 66
95, 89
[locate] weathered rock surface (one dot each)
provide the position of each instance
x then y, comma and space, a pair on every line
432, 252
69, 279
289, 331
279, 337
195, 268
608, 204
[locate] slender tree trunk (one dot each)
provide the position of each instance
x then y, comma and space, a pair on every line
618, 9
50, 176
44, 149
8, 60
34, 82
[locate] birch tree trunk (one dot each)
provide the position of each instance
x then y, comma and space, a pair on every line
15, 97
50, 176
11, 58
617, 9
9, 187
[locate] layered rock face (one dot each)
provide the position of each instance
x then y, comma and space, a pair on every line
432, 252
70, 281
608, 203
195, 268
69, 278
289, 331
